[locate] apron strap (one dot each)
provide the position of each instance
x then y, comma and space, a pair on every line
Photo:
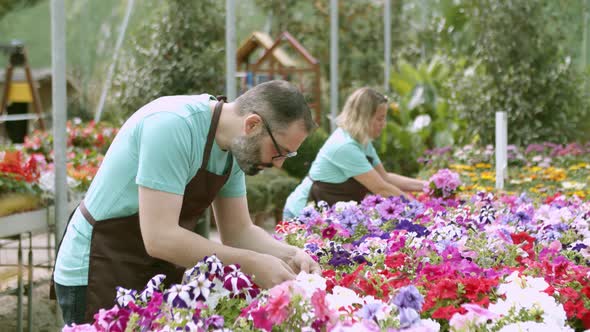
212, 130
87, 214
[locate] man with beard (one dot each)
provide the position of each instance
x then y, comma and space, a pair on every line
170, 161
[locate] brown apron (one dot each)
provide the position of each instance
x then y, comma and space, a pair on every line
117, 253
331, 193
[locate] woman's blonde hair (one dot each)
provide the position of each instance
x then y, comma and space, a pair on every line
359, 109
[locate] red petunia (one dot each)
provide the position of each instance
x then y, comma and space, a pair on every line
447, 312
527, 241
446, 289
395, 260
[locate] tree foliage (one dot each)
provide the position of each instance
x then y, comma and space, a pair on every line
7, 5
180, 50
520, 67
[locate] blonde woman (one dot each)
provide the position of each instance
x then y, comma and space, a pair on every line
347, 166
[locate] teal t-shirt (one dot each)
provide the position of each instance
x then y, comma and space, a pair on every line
160, 147
340, 158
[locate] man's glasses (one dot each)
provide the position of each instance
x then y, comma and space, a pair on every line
277, 147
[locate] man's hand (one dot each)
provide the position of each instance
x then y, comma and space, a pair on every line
267, 271
301, 261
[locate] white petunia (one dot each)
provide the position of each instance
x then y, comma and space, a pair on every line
310, 282
342, 297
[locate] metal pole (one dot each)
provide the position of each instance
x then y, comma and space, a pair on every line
333, 63
19, 288
585, 45
58, 66
109, 78
387, 35
30, 290
501, 149
230, 49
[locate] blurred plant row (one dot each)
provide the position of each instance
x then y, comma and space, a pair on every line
27, 177
543, 170
27, 172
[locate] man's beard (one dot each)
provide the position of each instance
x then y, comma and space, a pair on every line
246, 151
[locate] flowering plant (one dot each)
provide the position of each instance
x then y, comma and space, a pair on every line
455, 252
444, 183
309, 304
18, 172
207, 290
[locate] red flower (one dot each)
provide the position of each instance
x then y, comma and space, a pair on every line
525, 239
395, 260
550, 290
569, 294
447, 312
328, 274
368, 287
445, 289
550, 199
585, 318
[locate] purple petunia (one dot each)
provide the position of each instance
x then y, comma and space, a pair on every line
409, 297
180, 296
369, 311
308, 215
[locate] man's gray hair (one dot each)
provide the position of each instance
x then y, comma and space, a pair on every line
279, 102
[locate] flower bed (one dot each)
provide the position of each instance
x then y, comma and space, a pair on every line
539, 169
476, 262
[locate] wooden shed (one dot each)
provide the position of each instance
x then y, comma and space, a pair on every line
260, 58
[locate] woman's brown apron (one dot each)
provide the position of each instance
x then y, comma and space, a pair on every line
349, 190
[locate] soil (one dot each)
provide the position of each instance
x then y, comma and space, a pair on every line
44, 309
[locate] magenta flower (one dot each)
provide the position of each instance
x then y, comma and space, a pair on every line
443, 184
236, 281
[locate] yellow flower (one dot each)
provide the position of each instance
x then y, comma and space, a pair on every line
394, 107
460, 167
578, 166
483, 165
488, 176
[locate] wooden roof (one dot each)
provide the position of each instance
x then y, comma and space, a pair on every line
261, 39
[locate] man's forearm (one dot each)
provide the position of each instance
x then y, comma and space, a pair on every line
256, 239
185, 248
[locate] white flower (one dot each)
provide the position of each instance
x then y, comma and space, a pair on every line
342, 297
428, 325
124, 296
573, 185
420, 122
534, 327
341, 206
202, 287
310, 282
525, 292
217, 292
